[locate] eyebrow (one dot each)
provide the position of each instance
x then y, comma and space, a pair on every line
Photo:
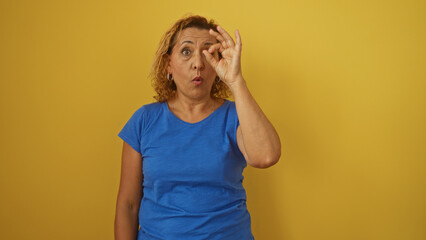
207, 43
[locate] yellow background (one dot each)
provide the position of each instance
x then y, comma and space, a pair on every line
343, 82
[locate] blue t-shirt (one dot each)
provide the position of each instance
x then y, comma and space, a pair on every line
192, 175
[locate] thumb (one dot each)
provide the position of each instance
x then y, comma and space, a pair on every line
210, 59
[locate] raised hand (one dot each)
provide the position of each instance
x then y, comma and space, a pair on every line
229, 67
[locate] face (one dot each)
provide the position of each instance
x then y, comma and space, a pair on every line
187, 61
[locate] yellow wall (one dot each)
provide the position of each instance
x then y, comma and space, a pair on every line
342, 81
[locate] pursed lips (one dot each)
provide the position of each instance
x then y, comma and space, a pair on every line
197, 80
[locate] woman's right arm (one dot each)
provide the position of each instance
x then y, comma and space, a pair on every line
129, 196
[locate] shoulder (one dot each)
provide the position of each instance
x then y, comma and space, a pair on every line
152, 106
230, 111
151, 112
148, 108
226, 103
145, 112
231, 106
231, 103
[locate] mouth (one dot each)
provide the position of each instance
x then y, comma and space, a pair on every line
198, 80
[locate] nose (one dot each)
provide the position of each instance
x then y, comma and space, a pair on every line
198, 63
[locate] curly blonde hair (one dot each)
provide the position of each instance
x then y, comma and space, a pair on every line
164, 88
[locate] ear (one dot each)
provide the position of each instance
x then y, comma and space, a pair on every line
169, 67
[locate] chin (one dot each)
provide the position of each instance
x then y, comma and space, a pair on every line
201, 94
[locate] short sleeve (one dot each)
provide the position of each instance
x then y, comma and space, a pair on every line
236, 121
132, 131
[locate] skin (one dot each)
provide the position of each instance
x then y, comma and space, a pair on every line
129, 196
192, 103
256, 137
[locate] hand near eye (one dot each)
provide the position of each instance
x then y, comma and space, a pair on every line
229, 67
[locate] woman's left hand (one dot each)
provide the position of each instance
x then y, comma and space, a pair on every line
229, 67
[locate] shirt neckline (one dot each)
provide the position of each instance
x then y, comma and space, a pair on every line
171, 114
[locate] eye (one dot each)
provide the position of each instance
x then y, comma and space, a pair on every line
185, 50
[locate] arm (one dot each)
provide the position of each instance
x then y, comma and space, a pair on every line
129, 195
256, 137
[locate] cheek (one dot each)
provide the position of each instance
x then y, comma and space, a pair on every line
179, 64
209, 68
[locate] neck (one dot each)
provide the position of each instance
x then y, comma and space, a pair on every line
193, 105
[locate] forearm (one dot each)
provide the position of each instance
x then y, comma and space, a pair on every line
126, 222
261, 141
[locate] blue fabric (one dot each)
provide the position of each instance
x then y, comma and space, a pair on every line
192, 187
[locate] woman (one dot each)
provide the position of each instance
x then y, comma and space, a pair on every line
188, 150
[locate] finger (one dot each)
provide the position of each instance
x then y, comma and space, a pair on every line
224, 44
225, 34
217, 35
210, 59
239, 42
220, 38
217, 46
238, 37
